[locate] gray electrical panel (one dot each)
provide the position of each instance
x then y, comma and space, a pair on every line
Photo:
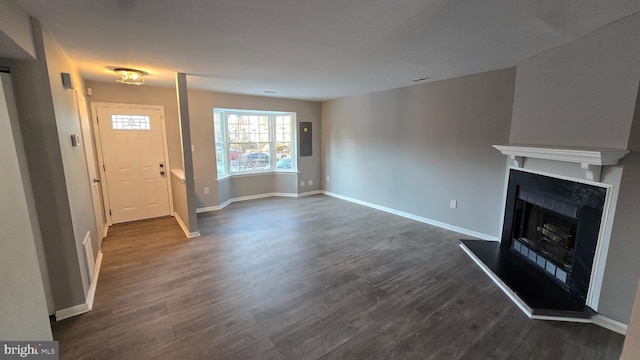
306, 145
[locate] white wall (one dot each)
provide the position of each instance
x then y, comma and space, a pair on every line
23, 307
415, 148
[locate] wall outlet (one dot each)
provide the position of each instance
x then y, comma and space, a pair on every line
301, 183
453, 204
206, 190
310, 182
327, 178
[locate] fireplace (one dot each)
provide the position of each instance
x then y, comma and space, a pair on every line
552, 249
552, 224
545, 256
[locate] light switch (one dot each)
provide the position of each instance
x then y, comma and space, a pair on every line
75, 140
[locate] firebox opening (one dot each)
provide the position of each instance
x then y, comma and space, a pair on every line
544, 233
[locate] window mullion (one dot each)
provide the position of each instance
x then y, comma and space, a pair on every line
225, 131
273, 151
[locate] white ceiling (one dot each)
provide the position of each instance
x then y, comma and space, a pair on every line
313, 49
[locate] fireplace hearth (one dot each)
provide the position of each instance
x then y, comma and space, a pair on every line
549, 239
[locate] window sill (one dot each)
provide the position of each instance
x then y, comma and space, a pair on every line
251, 174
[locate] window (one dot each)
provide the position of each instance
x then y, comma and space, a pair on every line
254, 141
130, 122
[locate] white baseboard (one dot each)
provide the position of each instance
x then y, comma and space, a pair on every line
254, 197
374, 206
309, 193
610, 324
416, 217
186, 231
103, 235
88, 304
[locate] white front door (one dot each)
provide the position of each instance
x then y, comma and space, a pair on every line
135, 162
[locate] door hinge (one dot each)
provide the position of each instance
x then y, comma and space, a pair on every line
109, 212
104, 168
98, 120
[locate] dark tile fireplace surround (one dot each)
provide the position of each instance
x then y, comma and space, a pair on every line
548, 243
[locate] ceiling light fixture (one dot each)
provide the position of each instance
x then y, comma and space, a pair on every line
130, 76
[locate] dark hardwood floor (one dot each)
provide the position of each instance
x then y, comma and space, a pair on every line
307, 278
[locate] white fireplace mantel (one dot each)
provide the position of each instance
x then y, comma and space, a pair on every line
591, 160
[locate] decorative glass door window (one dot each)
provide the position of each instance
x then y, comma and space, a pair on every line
130, 122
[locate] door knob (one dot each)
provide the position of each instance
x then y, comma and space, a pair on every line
161, 172
96, 180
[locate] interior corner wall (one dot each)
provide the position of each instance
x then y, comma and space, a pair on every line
59, 175
74, 161
416, 148
24, 314
622, 268
16, 34
145, 95
201, 105
187, 154
583, 94
31, 204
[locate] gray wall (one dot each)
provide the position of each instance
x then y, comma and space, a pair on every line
58, 172
201, 104
623, 268
584, 94
414, 149
23, 305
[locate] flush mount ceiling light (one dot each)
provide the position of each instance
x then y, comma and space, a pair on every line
130, 76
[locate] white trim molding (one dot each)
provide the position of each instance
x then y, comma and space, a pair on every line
591, 160
184, 228
421, 219
610, 324
88, 304
254, 197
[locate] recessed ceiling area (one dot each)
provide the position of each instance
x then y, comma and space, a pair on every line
311, 49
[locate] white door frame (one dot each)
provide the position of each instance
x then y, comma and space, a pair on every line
89, 152
96, 128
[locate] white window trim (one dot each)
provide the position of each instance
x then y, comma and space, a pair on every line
272, 149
